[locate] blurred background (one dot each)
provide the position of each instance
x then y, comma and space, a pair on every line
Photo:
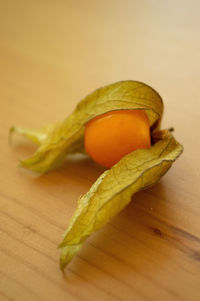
56, 52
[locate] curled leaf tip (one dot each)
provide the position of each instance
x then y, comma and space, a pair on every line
37, 135
67, 253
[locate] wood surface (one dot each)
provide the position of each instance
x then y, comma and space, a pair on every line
53, 53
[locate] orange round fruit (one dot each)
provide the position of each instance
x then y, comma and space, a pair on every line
110, 136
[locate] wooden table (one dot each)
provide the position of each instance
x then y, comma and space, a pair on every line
53, 53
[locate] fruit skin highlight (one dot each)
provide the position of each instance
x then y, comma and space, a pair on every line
112, 135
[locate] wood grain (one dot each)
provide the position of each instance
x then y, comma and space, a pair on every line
53, 53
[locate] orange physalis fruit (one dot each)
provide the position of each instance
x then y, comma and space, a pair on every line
110, 136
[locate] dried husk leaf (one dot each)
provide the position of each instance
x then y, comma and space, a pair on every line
113, 191
67, 137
